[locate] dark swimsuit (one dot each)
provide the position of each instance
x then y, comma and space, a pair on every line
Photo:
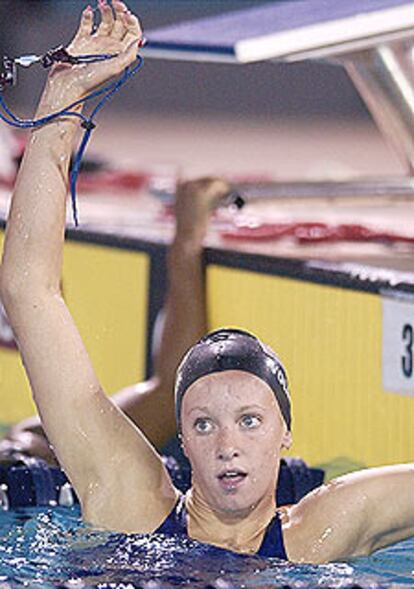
271, 546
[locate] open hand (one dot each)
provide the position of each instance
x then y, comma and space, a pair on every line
119, 33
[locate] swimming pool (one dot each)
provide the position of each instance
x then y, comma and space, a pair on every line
52, 548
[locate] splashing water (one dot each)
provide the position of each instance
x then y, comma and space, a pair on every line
52, 548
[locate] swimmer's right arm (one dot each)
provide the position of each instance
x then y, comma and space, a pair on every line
185, 322
112, 466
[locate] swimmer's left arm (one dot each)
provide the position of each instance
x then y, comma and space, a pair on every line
390, 512
353, 515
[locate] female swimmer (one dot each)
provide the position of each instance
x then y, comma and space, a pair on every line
234, 418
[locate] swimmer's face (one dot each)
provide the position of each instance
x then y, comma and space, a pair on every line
233, 433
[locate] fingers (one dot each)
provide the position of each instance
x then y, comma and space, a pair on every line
119, 23
86, 25
107, 19
119, 33
133, 30
210, 187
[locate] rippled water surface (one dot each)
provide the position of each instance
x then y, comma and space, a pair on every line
50, 548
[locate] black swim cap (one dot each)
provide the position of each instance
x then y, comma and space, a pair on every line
233, 349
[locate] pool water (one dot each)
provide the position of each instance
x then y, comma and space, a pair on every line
52, 548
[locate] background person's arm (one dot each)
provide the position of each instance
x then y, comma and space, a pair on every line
185, 316
110, 463
27, 437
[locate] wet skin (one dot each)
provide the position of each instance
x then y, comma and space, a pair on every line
233, 433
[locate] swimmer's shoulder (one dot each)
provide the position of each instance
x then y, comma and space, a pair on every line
137, 515
330, 523
132, 496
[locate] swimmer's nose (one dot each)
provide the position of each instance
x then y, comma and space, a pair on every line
228, 454
227, 446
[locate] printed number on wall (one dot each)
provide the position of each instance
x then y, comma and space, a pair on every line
398, 345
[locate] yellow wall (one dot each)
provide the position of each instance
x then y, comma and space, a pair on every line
106, 290
330, 340
328, 337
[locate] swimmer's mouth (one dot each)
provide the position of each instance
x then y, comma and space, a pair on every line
232, 476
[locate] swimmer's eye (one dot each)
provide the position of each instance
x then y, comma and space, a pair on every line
250, 421
203, 425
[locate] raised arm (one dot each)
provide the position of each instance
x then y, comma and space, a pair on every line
184, 313
111, 465
184, 322
353, 515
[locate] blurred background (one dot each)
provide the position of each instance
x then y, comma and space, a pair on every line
253, 122
302, 91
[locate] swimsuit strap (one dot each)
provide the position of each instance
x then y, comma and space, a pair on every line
176, 521
272, 544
